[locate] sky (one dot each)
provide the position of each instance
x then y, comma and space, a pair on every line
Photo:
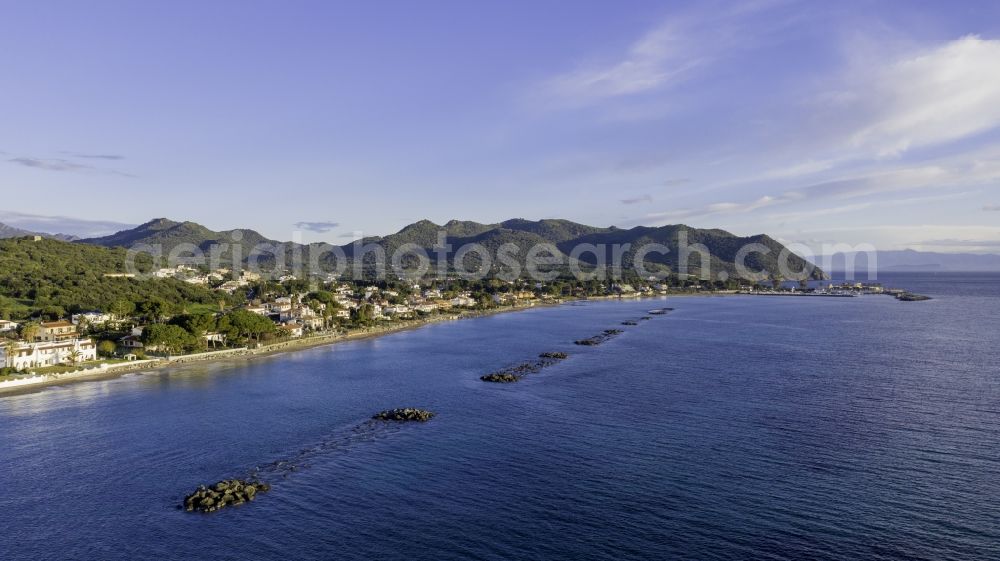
815, 122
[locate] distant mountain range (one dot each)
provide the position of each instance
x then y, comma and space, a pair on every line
564, 235
912, 260
170, 234
12, 232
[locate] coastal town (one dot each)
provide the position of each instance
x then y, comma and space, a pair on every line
281, 310
285, 309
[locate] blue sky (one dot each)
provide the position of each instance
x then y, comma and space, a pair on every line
815, 122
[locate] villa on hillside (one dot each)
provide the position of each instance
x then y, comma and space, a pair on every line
50, 331
6, 325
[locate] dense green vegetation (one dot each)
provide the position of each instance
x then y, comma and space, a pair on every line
522, 234
52, 279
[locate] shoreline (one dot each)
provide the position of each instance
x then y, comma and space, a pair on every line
248, 354
245, 354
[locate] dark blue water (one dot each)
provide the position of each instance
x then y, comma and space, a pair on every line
736, 427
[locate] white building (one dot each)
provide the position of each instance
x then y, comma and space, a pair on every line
398, 310
91, 318
6, 325
50, 353
462, 301
61, 330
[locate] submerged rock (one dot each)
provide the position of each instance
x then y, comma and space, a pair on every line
515, 373
660, 311
630, 322
404, 415
598, 339
228, 492
501, 377
911, 297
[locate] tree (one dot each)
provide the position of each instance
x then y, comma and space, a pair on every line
121, 309
107, 348
73, 357
364, 313
196, 324
171, 338
242, 325
54, 312
153, 310
29, 331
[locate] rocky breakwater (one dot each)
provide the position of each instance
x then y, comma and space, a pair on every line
404, 415
229, 492
598, 339
911, 297
515, 373
660, 311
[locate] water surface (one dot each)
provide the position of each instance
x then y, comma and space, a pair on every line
764, 427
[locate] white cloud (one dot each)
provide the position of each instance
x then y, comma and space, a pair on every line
904, 179
930, 97
662, 55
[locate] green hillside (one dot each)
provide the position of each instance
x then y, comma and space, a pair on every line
56, 278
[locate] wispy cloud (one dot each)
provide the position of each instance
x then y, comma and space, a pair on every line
63, 165
661, 56
848, 188
51, 164
930, 97
665, 55
96, 156
646, 198
991, 208
676, 181
318, 227
967, 243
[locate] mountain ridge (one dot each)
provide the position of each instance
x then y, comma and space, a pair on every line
7, 231
564, 236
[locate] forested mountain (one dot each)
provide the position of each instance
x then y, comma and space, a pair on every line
170, 234
524, 234
568, 236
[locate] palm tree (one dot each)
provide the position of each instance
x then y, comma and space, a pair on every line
73, 357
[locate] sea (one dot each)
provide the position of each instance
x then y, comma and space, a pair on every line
735, 427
